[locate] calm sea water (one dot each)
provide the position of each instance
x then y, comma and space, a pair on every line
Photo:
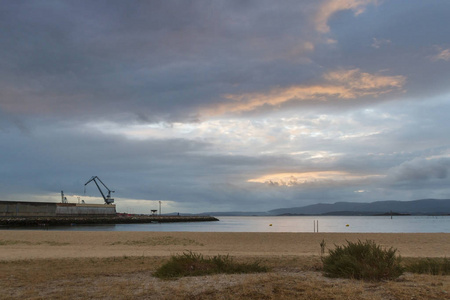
384, 224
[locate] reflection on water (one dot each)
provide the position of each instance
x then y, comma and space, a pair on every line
282, 224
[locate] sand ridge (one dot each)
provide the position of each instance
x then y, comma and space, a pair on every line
29, 244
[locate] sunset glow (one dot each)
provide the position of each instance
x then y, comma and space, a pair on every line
294, 179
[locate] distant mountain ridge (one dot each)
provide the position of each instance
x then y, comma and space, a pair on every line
423, 206
236, 213
415, 207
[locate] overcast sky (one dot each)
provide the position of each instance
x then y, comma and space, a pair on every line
225, 105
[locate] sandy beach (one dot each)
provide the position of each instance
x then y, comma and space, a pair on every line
18, 244
120, 265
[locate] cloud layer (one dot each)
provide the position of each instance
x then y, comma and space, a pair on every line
225, 105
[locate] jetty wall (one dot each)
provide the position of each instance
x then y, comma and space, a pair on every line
74, 209
93, 220
50, 209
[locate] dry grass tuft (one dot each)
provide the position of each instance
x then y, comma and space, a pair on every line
363, 260
432, 266
195, 264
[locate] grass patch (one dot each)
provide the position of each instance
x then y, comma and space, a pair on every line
431, 266
49, 243
53, 243
10, 242
160, 241
192, 264
362, 260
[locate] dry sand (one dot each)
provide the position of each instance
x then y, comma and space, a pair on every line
18, 244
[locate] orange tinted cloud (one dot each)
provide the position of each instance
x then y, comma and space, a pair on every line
332, 6
345, 84
444, 54
293, 179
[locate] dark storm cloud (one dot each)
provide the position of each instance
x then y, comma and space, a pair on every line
153, 58
163, 60
422, 170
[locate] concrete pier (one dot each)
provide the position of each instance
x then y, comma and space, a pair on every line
51, 209
17, 213
93, 220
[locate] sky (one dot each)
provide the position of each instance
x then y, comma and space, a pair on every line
224, 105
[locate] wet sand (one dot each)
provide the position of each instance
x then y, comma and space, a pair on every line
18, 244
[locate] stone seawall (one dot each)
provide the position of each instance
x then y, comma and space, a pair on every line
88, 220
50, 209
73, 209
35, 209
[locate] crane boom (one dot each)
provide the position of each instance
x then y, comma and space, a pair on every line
107, 198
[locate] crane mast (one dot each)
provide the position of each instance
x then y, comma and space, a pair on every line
107, 198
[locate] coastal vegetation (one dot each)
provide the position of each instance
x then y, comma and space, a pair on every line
195, 264
131, 277
362, 260
432, 266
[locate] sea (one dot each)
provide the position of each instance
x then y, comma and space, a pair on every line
340, 224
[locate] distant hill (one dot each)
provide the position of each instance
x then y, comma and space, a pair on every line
416, 207
235, 213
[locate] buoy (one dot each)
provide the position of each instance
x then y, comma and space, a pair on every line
270, 224
347, 225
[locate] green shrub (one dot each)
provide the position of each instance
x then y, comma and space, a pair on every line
192, 264
362, 260
432, 266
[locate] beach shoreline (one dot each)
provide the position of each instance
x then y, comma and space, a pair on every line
36, 244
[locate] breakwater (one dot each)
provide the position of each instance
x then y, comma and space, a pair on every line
50, 209
89, 220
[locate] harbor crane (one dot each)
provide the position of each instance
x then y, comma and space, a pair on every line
107, 198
